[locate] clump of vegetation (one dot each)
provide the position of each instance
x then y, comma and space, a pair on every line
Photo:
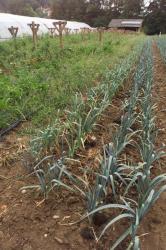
37, 83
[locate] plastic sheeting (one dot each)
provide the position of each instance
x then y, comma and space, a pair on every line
8, 20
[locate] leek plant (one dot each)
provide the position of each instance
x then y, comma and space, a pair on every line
53, 174
110, 172
134, 211
46, 139
82, 120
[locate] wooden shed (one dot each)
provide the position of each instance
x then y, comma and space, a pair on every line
126, 24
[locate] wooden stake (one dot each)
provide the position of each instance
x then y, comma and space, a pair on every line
88, 31
34, 27
13, 31
76, 31
67, 31
52, 31
60, 27
83, 32
100, 31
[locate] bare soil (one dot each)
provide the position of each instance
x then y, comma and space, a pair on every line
27, 222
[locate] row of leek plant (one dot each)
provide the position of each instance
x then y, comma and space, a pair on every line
111, 172
84, 112
148, 188
52, 172
161, 43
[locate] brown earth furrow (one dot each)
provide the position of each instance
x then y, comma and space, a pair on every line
154, 225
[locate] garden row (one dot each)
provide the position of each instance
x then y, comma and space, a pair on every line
114, 176
137, 177
161, 43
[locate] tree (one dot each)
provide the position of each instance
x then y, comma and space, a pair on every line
69, 9
27, 10
115, 8
155, 17
132, 8
21, 7
94, 12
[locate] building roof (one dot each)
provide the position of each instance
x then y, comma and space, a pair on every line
126, 23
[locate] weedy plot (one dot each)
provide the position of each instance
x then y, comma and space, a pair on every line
35, 84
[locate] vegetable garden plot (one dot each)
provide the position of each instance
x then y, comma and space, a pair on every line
126, 179
111, 173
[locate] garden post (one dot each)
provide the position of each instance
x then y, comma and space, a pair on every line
13, 31
60, 27
34, 27
52, 31
100, 31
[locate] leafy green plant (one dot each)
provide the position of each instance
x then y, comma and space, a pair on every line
47, 138
53, 174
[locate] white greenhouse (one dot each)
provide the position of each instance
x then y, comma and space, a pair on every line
8, 20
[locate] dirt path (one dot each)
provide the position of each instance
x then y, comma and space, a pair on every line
155, 222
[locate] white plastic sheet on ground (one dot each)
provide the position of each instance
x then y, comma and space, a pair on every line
8, 20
